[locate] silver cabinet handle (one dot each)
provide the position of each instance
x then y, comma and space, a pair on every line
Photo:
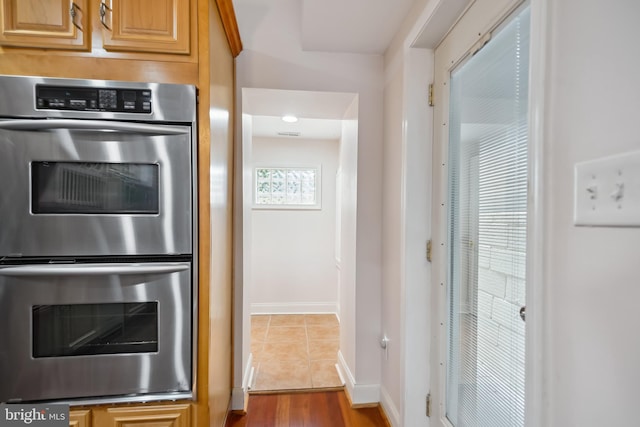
92, 125
73, 13
93, 269
103, 12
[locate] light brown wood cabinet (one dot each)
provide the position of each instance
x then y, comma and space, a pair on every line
80, 418
152, 26
176, 415
56, 24
146, 25
213, 43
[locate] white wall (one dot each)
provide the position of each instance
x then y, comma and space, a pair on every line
293, 250
392, 363
272, 58
406, 222
591, 275
348, 165
242, 265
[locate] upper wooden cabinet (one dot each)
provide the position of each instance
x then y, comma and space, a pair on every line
160, 26
136, 26
57, 24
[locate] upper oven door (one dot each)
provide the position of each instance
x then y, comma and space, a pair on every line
84, 187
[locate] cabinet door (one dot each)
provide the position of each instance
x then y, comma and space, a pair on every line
160, 26
80, 418
57, 24
144, 416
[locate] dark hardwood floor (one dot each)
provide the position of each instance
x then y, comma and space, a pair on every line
308, 409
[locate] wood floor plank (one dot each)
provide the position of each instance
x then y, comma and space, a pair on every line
299, 408
283, 409
236, 420
263, 412
312, 409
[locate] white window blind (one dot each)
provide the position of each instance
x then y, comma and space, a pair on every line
487, 231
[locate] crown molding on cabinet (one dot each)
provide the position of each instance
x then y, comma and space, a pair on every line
230, 25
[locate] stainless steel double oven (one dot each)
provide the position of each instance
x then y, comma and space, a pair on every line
97, 240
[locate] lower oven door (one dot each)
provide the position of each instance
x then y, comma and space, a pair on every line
96, 331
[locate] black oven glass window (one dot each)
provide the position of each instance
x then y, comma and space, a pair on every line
92, 329
94, 188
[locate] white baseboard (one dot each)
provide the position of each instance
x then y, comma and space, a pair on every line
390, 409
240, 395
359, 394
345, 374
294, 308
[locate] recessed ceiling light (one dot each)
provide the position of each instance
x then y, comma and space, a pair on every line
289, 118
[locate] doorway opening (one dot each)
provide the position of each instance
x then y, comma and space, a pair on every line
298, 240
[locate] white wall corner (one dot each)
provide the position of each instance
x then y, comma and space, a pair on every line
240, 395
390, 409
295, 308
359, 394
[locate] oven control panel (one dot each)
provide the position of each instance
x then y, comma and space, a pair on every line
93, 99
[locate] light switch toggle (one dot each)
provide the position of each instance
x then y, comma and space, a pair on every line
618, 193
593, 192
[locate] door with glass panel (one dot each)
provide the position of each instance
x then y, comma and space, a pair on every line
481, 140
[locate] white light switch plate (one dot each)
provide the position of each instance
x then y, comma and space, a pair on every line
607, 191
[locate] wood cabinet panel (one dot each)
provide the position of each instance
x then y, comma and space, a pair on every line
144, 416
80, 418
59, 24
147, 26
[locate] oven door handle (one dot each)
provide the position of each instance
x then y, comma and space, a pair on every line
93, 125
93, 269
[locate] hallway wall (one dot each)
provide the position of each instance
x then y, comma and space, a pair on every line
406, 224
293, 250
591, 273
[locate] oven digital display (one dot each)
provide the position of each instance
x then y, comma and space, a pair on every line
94, 188
92, 329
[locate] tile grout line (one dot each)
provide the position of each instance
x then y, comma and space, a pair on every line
306, 330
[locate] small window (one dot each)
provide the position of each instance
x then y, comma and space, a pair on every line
287, 188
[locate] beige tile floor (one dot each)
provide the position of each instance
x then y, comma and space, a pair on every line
295, 351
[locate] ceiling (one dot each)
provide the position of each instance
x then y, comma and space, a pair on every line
273, 126
355, 26
359, 26
320, 113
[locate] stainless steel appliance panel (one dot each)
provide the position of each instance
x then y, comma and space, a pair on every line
30, 374
171, 102
28, 230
